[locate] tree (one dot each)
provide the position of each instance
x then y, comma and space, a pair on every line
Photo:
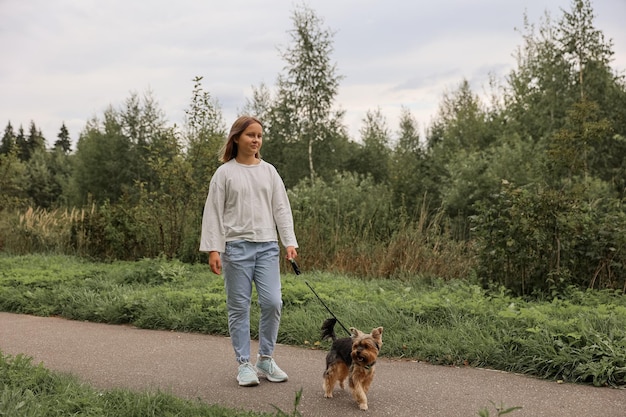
8, 140
21, 144
13, 181
408, 134
373, 158
602, 93
142, 124
260, 105
61, 168
408, 170
63, 140
455, 145
35, 140
564, 223
184, 179
461, 123
539, 91
205, 133
113, 156
572, 145
103, 161
41, 186
302, 112
582, 44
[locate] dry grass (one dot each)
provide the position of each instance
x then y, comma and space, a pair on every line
40, 230
423, 247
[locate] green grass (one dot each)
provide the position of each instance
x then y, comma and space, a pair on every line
28, 390
579, 337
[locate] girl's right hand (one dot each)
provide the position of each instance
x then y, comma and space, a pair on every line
215, 262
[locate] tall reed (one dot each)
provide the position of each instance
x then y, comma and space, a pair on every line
348, 225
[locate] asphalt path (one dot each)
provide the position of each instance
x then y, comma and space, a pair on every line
198, 366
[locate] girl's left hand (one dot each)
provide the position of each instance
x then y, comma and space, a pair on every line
291, 253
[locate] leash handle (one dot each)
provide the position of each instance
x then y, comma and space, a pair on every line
294, 265
327, 309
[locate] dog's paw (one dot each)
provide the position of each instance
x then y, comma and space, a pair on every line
363, 406
326, 395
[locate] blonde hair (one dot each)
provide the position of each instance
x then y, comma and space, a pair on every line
229, 150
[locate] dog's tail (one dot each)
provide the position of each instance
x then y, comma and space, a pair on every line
328, 329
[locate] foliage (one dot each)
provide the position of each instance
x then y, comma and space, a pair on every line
106, 148
302, 127
500, 410
537, 239
204, 135
13, 182
35, 142
7, 145
409, 176
456, 146
539, 90
30, 390
341, 224
374, 157
572, 147
63, 142
461, 123
113, 155
42, 189
389, 205
579, 337
584, 46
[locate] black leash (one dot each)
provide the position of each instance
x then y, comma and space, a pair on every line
296, 270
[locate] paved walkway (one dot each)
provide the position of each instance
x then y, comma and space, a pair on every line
203, 367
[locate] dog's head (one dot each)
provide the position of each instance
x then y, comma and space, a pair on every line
365, 347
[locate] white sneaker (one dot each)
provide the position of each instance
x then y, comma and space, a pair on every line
246, 376
266, 367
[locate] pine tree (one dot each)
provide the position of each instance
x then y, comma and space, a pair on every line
8, 140
35, 140
374, 157
63, 140
22, 145
408, 171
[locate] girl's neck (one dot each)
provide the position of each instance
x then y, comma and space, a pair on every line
247, 160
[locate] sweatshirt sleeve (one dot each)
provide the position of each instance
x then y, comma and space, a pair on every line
282, 212
212, 237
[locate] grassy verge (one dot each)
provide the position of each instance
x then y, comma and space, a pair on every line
580, 337
29, 390
33, 391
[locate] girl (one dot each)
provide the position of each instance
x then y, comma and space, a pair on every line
246, 206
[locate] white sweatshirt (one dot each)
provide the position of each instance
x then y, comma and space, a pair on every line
246, 202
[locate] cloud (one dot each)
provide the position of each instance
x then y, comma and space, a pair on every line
68, 60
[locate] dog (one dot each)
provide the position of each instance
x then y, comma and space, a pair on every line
353, 358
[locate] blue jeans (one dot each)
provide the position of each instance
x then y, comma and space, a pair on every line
242, 264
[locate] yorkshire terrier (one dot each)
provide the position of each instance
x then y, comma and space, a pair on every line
351, 357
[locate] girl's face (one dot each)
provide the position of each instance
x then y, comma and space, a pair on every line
250, 141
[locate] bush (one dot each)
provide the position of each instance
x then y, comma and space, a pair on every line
537, 239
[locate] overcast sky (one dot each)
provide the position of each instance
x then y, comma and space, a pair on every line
66, 61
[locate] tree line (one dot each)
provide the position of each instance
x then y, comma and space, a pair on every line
529, 185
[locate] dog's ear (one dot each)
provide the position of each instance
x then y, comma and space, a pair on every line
377, 333
355, 332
